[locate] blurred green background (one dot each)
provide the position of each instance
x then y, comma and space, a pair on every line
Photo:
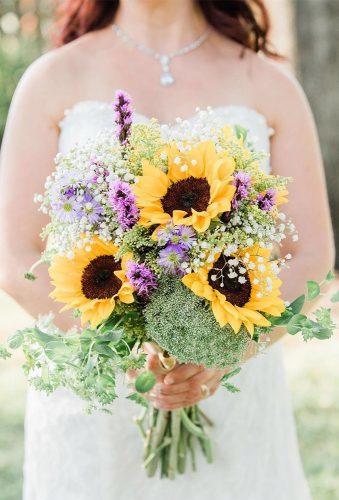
307, 31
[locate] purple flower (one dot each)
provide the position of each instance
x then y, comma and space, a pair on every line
123, 203
87, 206
171, 257
267, 200
183, 236
65, 207
123, 115
242, 182
141, 278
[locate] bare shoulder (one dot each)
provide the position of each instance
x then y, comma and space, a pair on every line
53, 81
276, 91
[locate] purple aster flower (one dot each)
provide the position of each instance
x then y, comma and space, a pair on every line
171, 257
123, 115
123, 202
87, 206
141, 278
242, 182
183, 236
65, 208
267, 200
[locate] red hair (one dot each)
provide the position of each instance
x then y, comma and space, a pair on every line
245, 21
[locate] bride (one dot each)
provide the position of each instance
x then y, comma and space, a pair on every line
170, 56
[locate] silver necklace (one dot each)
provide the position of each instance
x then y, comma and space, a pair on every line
166, 78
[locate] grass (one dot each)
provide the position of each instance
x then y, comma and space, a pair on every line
313, 373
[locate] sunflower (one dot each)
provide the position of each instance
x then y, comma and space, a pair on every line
196, 188
91, 281
240, 288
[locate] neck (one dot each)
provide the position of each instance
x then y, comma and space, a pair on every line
163, 25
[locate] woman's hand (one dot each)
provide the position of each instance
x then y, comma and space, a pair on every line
183, 386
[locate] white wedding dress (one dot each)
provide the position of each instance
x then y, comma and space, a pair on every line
72, 456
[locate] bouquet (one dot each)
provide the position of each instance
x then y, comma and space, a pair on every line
170, 236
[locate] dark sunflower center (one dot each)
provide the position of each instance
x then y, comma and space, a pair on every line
186, 195
231, 279
98, 280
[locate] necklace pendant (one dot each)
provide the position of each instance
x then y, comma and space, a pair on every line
167, 79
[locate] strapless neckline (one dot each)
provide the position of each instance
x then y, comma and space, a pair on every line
95, 104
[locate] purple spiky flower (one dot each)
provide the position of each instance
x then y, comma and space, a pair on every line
123, 116
242, 183
267, 200
123, 203
141, 278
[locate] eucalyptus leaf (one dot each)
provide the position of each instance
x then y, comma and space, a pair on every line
335, 297
322, 333
313, 290
297, 305
330, 276
145, 381
296, 324
57, 351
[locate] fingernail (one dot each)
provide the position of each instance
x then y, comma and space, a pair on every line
169, 381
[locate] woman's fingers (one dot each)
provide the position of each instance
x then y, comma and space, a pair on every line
182, 373
194, 393
192, 383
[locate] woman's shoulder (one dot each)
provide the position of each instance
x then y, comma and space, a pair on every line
275, 88
55, 77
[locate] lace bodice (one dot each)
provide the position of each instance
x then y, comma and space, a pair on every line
73, 456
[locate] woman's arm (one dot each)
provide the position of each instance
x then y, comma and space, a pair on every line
28, 149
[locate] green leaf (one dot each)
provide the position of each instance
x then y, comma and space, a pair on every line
281, 320
4, 353
102, 348
43, 338
230, 387
145, 381
322, 333
296, 324
57, 351
335, 297
16, 340
313, 290
231, 374
112, 335
297, 305
137, 398
330, 276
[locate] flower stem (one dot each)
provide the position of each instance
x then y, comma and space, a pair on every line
173, 453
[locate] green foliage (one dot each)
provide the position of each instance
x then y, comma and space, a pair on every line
183, 325
86, 362
137, 398
4, 353
319, 326
313, 290
137, 241
225, 381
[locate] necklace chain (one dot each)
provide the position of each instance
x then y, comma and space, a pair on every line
166, 78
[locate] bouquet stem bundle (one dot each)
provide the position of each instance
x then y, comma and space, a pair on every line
170, 439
